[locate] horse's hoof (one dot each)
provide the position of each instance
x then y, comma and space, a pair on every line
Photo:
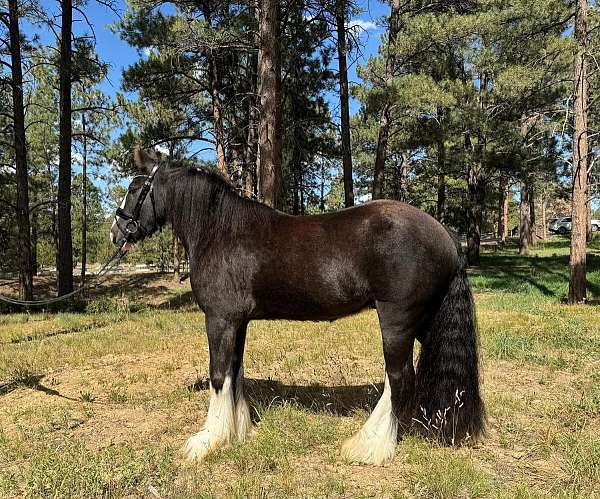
199, 445
364, 450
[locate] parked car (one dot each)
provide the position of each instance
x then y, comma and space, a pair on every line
563, 225
560, 225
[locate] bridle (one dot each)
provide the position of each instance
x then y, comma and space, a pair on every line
133, 223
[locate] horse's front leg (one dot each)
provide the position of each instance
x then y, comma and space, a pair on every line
226, 374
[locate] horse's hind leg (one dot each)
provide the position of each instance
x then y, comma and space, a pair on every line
375, 443
243, 421
220, 426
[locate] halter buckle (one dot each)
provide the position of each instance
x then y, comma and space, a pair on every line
132, 227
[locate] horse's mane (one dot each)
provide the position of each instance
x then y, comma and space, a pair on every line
202, 201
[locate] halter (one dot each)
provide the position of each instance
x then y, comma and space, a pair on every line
133, 223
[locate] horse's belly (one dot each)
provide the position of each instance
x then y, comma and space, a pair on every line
316, 300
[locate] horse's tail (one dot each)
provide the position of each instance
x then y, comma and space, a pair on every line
449, 405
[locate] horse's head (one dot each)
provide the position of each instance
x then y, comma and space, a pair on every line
142, 210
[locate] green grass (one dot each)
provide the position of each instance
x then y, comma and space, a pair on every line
99, 403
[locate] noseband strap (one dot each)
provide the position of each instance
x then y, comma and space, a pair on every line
133, 223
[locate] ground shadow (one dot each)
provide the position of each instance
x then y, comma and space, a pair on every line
336, 400
33, 382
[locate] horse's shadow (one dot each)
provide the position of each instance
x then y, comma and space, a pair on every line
335, 400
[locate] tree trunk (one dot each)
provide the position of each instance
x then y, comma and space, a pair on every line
381, 154
502, 199
474, 215
524, 220
176, 258
214, 83
34, 243
296, 169
404, 177
24, 230
577, 283
84, 216
441, 188
65, 243
544, 224
532, 222
344, 104
589, 231
506, 220
269, 64
385, 119
322, 188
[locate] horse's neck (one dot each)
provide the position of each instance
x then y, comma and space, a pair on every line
195, 226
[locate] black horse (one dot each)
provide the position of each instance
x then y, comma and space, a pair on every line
249, 261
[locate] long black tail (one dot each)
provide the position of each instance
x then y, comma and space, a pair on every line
449, 405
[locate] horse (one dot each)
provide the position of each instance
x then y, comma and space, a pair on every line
249, 261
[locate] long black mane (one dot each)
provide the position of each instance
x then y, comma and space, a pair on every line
201, 202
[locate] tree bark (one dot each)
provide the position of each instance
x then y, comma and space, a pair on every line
24, 230
589, 232
532, 221
524, 220
215, 87
296, 169
474, 214
65, 243
34, 243
544, 224
214, 82
404, 177
385, 119
577, 283
344, 103
251, 147
176, 258
441, 187
502, 201
269, 64
84, 217
507, 221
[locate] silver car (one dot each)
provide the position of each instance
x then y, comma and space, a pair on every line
562, 225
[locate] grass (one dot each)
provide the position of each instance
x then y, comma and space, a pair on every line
99, 403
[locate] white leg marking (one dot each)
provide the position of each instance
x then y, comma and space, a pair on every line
219, 428
243, 422
375, 443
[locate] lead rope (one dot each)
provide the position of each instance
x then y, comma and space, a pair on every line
99, 277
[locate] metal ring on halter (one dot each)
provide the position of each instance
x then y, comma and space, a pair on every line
129, 229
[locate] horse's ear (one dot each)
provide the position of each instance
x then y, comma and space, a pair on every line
145, 159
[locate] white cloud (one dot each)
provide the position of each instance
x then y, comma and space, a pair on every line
362, 25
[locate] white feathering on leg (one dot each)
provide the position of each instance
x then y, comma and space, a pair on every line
219, 428
243, 421
375, 443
